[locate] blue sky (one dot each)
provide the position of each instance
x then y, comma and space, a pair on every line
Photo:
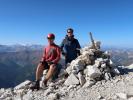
29, 21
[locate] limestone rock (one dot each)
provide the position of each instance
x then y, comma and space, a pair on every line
62, 73
53, 96
122, 95
89, 83
69, 69
131, 98
115, 71
71, 80
23, 85
78, 64
107, 76
93, 71
97, 63
81, 79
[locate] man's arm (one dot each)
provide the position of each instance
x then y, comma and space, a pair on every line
78, 47
62, 46
44, 55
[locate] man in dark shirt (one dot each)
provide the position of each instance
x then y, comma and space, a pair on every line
70, 46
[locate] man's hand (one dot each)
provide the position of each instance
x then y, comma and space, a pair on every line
63, 53
42, 62
50, 63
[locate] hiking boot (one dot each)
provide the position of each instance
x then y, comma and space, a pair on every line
36, 86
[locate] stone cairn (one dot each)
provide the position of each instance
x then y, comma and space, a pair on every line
91, 66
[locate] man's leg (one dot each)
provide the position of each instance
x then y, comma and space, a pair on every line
50, 73
39, 71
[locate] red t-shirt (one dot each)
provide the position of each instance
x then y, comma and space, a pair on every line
52, 53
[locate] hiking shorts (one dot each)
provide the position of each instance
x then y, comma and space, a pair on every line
46, 65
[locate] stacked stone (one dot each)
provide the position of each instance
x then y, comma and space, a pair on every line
91, 66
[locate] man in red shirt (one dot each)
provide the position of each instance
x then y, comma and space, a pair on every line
49, 61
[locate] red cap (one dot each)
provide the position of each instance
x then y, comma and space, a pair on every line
51, 36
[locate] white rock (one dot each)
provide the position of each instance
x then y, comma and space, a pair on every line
121, 95
86, 59
28, 96
45, 72
79, 68
99, 97
78, 64
48, 91
93, 71
6, 94
115, 71
100, 59
23, 85
71, 87
88, 84
97, 63
75, 71
9, 98
103, 65
81, 79
53, 96
107, 76
51, 84
69, 69
18, 97
2, 90
86, 71
111, 63
71, 80
19, 91
130, 66
130, 98
73, 62
62, 73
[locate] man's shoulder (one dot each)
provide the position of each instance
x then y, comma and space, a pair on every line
64, 40
76, 40
57, 46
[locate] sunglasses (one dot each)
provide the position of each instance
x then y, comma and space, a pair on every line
50, 38
69, 32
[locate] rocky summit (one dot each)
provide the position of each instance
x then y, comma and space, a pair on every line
91, 76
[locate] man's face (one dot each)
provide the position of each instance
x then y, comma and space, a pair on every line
70, 34
50, 41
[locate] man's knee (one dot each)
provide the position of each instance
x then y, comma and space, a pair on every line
52, 67
40, 66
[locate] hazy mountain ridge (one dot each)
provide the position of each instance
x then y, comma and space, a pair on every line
18, 48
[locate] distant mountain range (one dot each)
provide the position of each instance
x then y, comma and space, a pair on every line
18, 48
18, 62
121, 56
